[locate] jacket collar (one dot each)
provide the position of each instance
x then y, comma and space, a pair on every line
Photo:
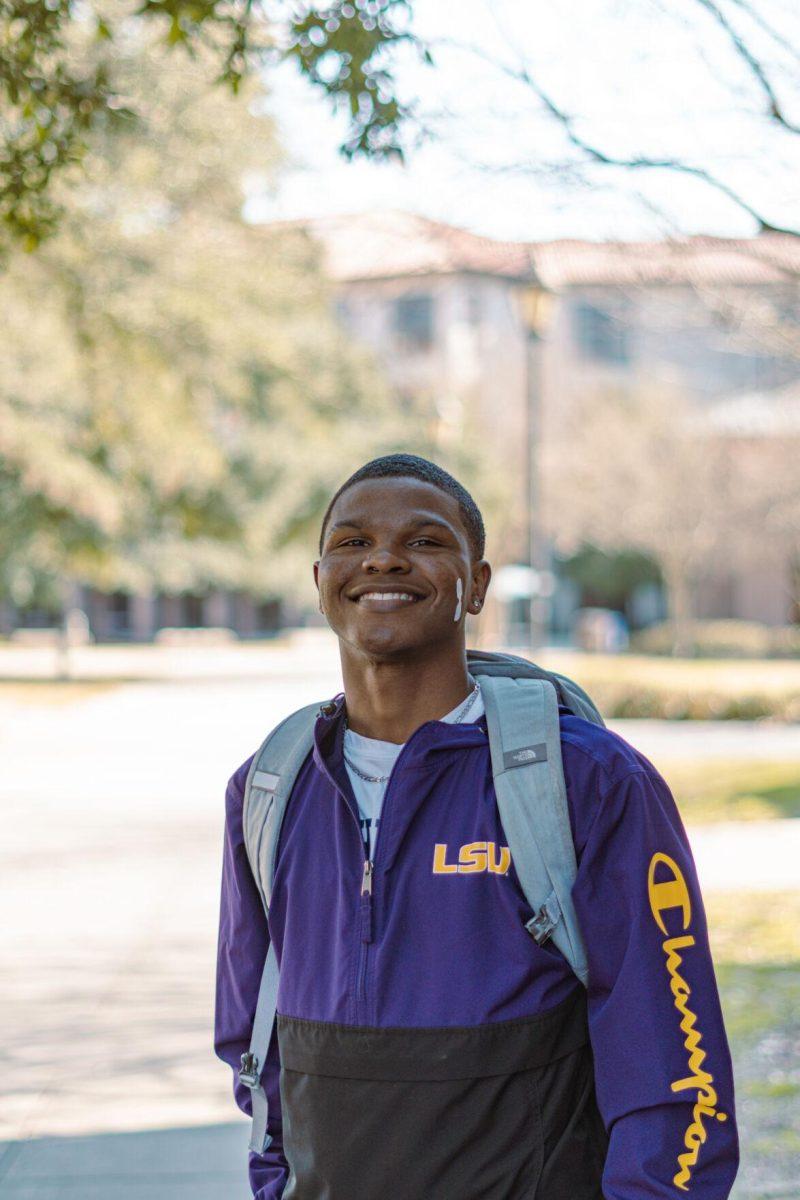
430, 737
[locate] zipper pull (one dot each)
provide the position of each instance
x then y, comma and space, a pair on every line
366, 879
366, 902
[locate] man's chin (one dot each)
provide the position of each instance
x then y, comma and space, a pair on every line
386, 642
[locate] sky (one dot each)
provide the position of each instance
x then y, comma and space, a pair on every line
654, 77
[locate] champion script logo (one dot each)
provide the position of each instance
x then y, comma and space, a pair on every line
671, 892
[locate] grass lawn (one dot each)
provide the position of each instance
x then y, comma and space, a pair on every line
756, 942
684, 689
709, 790
731, 675
49, 693
720, 790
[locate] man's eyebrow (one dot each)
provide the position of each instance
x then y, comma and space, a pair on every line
423, 521
344, 525
419, 523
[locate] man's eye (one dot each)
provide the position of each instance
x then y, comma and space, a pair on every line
424, 541
354, 541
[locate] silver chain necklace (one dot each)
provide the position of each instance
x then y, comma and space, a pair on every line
457, 719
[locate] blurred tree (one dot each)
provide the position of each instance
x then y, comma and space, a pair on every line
607, 578
637, 471
52, 98
352, 51
176, 399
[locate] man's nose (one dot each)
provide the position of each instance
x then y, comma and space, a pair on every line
385, 560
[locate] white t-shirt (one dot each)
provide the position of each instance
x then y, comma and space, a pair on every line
376, 758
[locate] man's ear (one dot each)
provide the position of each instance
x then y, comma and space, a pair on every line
481, 576
316, 584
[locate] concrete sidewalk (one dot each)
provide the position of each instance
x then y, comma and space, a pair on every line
295, 651
204, 1163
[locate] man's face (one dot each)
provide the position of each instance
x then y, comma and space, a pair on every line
394, 552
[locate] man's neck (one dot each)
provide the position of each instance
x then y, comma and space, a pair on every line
389, 700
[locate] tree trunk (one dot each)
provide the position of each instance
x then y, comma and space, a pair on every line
679, 603
70, 606
63, 664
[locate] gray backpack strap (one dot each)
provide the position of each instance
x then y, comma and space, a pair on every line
266, 795
253, 1061
577, 699
511, 666
525, 745
270, 780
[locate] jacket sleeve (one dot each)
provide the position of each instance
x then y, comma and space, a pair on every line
662, 1065
242, 948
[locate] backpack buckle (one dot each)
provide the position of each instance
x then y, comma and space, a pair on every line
249, 1073
544, 920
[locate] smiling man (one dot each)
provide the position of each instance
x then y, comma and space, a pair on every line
426, 1046
400, 618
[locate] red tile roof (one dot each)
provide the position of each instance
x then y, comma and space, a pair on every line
769, 258
380, 245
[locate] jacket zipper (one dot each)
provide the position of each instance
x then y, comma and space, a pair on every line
365, 928
364, 912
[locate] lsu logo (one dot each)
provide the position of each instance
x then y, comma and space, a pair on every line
473, 859
670, 894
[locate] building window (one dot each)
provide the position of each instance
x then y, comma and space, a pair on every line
268, 616
413, 320
794, 590
37, 618
342, 313
119, 613
474, 306
600, 335
193, 611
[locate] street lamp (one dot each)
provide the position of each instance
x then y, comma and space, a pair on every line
535, 310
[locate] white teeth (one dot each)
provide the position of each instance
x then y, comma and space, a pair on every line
386, 596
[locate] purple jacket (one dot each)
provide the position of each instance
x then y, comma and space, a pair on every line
425, 1033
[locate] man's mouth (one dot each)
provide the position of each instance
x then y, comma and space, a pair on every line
385, 601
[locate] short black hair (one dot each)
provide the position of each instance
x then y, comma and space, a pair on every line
411, 466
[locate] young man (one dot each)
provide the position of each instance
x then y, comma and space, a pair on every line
427, 1047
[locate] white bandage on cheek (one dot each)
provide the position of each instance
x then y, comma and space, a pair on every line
459, 595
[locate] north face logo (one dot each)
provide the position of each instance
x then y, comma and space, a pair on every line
473, 859
524, 755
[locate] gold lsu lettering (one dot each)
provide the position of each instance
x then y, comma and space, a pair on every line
473, 859
672, 893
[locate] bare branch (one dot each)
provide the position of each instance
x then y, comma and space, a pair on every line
774, 110
595, 154
764, 25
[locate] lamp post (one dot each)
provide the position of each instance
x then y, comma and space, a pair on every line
535, 307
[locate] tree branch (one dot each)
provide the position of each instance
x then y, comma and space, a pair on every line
637, 162
764, 25
774, 109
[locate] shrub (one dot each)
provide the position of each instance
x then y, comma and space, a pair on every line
670, 704
722, 639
